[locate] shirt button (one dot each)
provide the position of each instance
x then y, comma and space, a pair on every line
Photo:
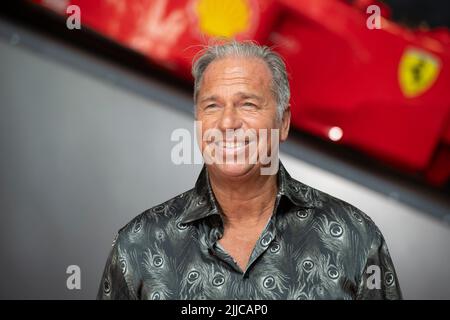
265, 241
240, 293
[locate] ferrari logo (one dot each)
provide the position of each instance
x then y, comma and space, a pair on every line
417, 72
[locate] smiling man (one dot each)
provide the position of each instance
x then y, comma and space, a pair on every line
245, 232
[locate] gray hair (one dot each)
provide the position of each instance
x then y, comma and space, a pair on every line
249, 49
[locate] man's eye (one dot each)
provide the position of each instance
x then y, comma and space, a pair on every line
249, 104
211, 106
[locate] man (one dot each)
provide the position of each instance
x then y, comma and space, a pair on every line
242, 232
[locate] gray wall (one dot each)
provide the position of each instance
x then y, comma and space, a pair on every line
81, 156
79, 159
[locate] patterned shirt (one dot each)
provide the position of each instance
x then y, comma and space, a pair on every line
314, 246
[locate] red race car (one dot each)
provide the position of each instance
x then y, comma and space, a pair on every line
357, 78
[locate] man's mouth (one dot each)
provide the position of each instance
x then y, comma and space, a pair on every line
231, 145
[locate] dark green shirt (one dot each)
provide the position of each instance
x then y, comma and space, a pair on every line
314, 246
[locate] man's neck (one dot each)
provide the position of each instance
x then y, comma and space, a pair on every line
246, 200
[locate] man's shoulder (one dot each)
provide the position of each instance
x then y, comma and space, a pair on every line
332, 210
156, 218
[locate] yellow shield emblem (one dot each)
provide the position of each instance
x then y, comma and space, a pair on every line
417, 71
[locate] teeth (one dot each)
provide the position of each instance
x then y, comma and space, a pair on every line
230, 145
233, 144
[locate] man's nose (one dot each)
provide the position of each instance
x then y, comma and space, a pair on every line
229, 119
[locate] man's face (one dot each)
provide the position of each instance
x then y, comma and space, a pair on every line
236, 100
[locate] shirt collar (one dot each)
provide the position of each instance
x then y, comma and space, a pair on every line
203, 202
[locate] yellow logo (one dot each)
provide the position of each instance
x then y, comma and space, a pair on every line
417, 72
223, 18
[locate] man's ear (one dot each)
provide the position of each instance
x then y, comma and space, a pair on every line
195, 111
285, 124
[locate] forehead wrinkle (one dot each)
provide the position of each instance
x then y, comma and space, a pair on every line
220, 75
242, 68
237, 77
225, 81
